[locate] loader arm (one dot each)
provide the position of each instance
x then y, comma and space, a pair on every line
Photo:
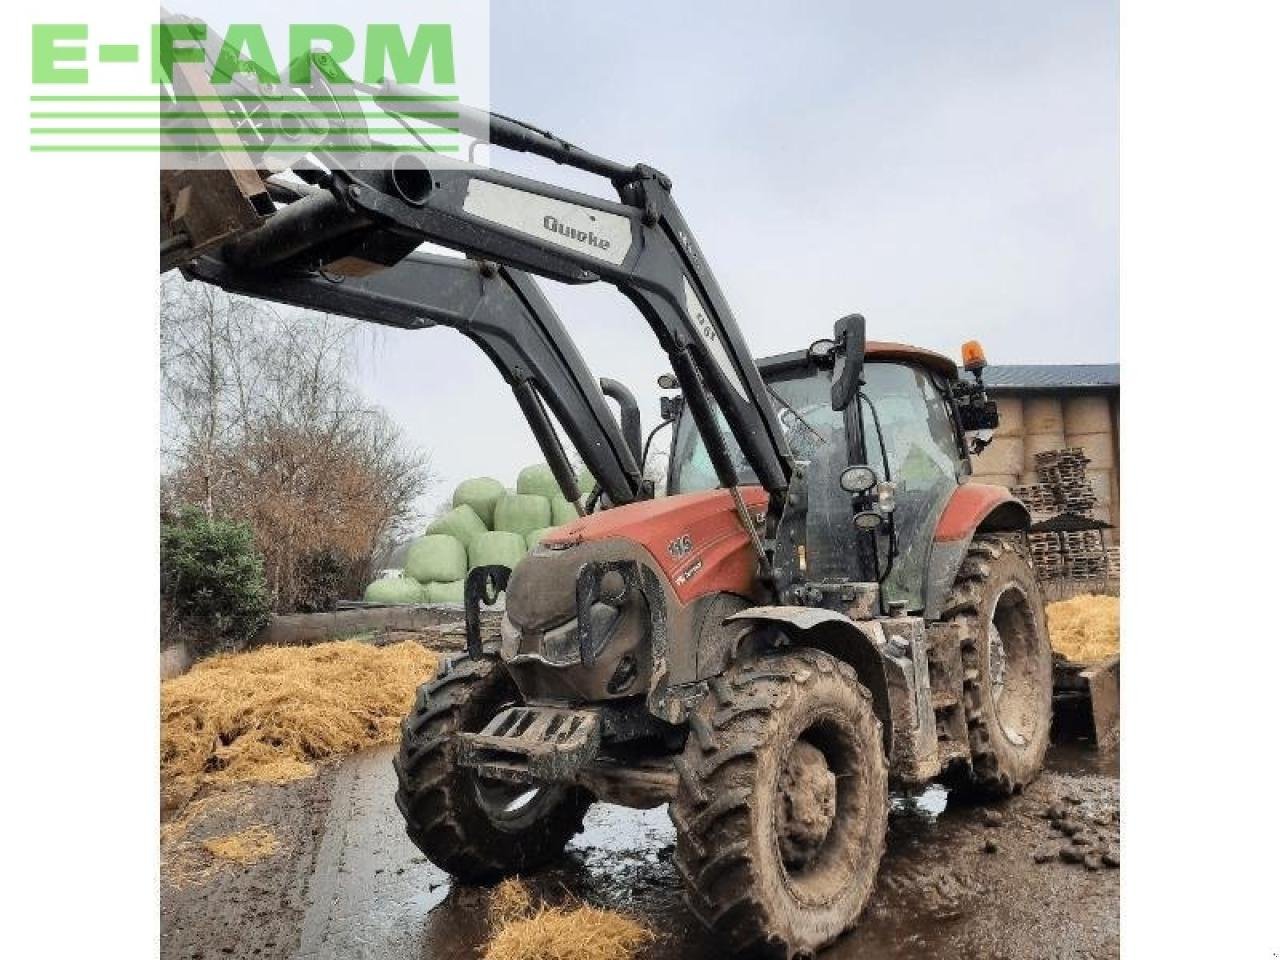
504, 313
640, 244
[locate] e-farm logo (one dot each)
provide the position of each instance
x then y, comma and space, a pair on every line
247, 94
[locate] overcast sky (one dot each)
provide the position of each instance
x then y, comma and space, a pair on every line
949, 170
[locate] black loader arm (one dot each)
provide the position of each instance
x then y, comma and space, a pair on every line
503, 312
641, 244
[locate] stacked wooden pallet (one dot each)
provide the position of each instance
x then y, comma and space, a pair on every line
1113, 562
1046, 554
1084, 554
1064, 489
1064, 472
1040, 498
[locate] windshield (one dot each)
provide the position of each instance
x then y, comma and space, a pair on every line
919, 437
813, 424
924, 460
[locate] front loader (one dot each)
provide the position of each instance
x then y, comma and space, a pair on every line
823, 605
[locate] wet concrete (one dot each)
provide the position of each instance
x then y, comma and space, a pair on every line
956, 881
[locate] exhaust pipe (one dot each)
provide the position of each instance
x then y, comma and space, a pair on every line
628, 414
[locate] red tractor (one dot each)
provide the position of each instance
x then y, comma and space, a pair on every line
821, 606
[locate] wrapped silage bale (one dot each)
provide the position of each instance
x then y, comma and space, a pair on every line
562, 511
449, 591
394, 590
497, 548
535, 538
586, 483
480, 494
461, 522
522, 513
538, 480
436, 557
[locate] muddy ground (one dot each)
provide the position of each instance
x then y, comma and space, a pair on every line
347, 885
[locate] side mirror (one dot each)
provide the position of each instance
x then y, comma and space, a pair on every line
851, 335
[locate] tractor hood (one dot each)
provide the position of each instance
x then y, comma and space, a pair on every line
695, 539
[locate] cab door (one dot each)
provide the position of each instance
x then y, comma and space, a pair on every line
924, 461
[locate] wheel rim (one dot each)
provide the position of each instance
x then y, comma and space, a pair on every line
819, 801
505, 802
1011, 665
996, 661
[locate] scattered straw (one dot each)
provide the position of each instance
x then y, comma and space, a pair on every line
244, 846
578, 933
1085, 628
581, 932
269, 714
185, 860
509, 901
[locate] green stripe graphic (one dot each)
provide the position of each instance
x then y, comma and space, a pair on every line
193, 148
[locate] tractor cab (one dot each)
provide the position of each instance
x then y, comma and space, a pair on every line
905, 425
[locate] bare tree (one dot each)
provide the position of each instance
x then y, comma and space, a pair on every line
262, 423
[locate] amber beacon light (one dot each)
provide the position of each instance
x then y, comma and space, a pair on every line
973, 356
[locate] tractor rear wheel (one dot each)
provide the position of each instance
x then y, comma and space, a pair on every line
1008, 666
477, 829
782, 804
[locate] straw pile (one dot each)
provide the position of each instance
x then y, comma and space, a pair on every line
244, 846
580, 932
270, 714
1085, 628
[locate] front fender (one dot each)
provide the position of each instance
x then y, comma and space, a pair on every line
973, 508
833, 633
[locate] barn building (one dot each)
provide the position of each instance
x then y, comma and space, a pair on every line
1046, 407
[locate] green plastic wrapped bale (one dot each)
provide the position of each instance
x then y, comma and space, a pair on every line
445, 592
522, 513
480, 494
562, 511
394, 590
538, 480
436, 556
498, 547
535, 538
462, 522
586, 483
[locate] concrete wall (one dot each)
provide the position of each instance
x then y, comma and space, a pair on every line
1033, 422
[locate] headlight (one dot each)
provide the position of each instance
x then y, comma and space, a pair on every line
866, 520
560, 645
857, 479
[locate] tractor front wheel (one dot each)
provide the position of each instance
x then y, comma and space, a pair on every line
782, 804
477, 829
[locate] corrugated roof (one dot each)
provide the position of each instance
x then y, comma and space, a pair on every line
1052, 376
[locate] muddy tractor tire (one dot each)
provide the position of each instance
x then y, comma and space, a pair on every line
1008, 668
782, 804
478, 830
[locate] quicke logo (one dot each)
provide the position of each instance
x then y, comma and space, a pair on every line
573, 233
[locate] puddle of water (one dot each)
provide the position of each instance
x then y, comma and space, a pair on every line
930, 802
378, 899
